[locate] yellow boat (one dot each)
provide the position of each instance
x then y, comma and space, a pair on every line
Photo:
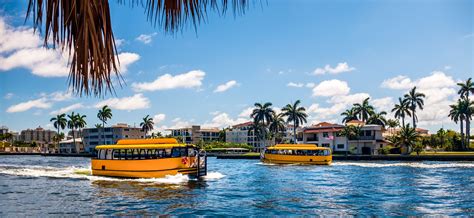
148, 158
297, 153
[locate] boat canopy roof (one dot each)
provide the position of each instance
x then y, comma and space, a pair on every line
297, 147
162, 143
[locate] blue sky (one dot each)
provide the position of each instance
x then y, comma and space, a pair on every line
329, 54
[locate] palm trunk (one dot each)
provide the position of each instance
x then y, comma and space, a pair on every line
57, 143
103, 132
73, 137
468, 133
462, 134
403, 121
414, 120
294, 131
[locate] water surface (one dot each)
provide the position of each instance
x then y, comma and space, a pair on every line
33, 185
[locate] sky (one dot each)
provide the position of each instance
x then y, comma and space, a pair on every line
328, 54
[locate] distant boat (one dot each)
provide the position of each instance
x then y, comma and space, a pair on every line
149, 158
297, 153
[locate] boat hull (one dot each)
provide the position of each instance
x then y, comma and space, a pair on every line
153, 168
296, 159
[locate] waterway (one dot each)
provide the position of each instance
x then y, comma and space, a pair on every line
43, 186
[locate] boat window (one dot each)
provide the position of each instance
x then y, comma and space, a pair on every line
178, 152
102, 154
143, 154
192, 152
116, 154
108, 155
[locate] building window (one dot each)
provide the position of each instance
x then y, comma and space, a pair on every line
325, 145
381, 145
340, 146
325, 134
368, 133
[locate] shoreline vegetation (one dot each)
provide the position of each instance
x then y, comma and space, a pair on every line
270, 126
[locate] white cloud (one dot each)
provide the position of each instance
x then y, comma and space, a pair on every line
383, 104
331, 88
41, 103
158, 118
8, 96
67, 109
226, 86
296, 85
223, 120
440, 91
340, 68
135, 102
127, 58
310, 85
20, 47
145, 38
246, 112
191, 79
59, 96
119, 42
398, 82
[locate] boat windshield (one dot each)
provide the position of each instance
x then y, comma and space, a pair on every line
299, 152
143, 154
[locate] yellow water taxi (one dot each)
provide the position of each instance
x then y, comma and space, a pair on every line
297, 153
148, 158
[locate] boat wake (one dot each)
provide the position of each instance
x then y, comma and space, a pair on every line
85, 174
406, 164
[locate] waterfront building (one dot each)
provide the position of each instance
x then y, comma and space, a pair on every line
109, 135
41, 137
393, 131
76, 133
69, 147
195, 134
242, 134
326, 134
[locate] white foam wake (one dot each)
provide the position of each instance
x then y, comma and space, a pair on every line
406, 164
85, 173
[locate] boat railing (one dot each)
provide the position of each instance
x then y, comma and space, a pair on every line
202, 163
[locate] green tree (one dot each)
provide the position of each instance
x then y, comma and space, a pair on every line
378, 119
262, 113
349, 115
364, 110
351, 132
147, 124
457, 114
392, 124
59, 122
414, 100
407, 137
295, 114
465, 89
401, 110
104, 114
258, 130
277, 126
72, 124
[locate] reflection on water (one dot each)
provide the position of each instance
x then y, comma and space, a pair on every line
64, 186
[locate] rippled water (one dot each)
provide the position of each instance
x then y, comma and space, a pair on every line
31, 185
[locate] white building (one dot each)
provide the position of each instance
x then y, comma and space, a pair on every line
109, 135
242, 134
68, 146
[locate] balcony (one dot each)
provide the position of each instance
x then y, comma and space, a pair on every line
364, 138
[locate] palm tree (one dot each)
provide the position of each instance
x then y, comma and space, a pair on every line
277, 125
464, 91
72, 124
85, 29
104, 114
414, 100
349, 115
457, 115
407, 138
59, 122
401, 110
350, 132
295, 114
147, 124
262, 113
364, 110
391, 123
98, 125
378, 119
81, 123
